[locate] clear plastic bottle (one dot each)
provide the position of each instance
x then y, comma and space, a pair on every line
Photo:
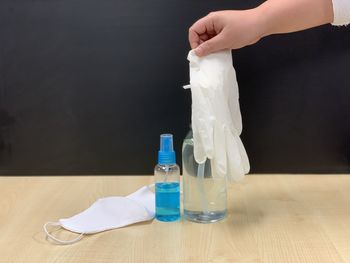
167, 182
204, 196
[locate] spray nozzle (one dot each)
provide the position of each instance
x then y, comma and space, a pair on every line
166, 154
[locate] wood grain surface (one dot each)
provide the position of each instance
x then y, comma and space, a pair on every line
272, 218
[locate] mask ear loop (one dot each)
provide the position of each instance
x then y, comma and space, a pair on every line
59, 241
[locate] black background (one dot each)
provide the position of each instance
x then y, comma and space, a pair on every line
86, 87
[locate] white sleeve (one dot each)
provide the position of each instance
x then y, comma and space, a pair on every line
341, 11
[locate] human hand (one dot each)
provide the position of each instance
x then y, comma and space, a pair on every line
225, 30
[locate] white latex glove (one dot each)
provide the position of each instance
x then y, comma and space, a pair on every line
216, 117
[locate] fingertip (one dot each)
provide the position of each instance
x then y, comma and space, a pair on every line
199, 51
193, 38
194, 45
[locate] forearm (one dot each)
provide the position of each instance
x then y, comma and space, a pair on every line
284, 16
233, 29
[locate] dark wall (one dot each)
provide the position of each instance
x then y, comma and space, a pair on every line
86, 87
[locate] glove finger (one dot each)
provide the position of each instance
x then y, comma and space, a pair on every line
231, 88
244, 155
200, 126
203, 117
235, 168
198, 149
220, 150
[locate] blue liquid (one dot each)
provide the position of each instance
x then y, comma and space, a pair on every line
168, 201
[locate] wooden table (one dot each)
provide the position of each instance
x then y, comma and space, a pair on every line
272, 218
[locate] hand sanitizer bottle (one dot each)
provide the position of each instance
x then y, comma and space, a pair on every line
167, 182
204, 194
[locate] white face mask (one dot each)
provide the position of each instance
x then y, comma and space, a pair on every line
108, 213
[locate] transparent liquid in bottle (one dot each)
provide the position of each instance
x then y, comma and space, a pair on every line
204, 197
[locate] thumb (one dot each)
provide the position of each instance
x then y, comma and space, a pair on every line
210, 46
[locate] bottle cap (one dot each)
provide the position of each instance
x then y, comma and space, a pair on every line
166, 154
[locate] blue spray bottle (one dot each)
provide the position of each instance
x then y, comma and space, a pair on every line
167, 181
